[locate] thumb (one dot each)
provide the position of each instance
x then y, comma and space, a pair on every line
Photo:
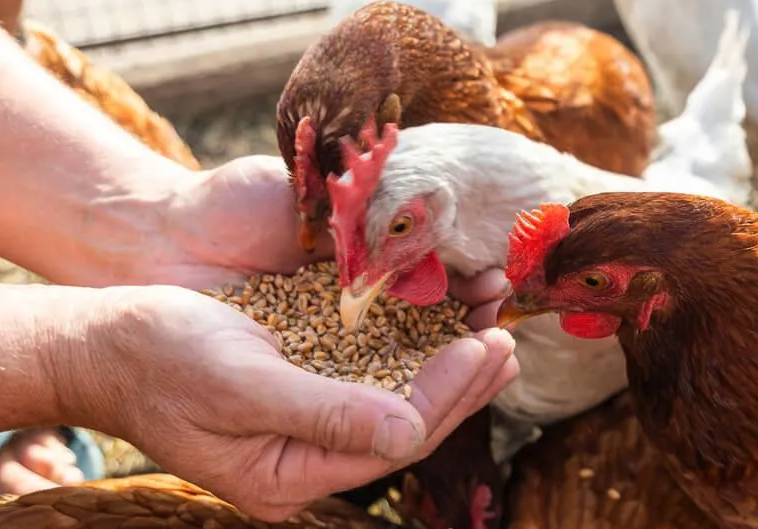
341, 416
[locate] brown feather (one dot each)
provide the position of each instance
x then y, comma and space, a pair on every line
593, 90
159, 501
598, 471
587, 93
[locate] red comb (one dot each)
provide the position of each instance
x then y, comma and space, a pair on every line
532, 237
365, 169
307, 180
350, 192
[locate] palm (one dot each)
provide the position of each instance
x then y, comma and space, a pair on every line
244, 215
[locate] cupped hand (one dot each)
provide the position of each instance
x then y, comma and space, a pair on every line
236, 220
204, 391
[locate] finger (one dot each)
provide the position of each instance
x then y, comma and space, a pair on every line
505, 375
487, 286
45, 453
499, 349
437, 389
483, 316
15, 478
336, 415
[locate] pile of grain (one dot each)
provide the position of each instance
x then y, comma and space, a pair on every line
302, 312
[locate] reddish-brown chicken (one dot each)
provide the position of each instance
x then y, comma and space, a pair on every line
160, 501
598, 471
672, 276
586, 93
402, 65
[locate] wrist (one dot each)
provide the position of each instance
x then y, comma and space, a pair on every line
48, 334
111, 234
97, 354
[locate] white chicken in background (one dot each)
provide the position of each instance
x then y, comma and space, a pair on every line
708, 139
444, 199
677, 39
476, 19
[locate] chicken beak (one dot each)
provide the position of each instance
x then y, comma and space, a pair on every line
307, 234
354, 307
517, 308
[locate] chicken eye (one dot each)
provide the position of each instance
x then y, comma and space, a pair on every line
401, 226
594, 280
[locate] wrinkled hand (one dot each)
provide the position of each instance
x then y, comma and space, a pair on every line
483, 293
236, 220
218, 405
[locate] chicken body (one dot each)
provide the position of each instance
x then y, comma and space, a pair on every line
598, 471
708, 139
160, 501
405, 66
671, 276
104, 90
586, 93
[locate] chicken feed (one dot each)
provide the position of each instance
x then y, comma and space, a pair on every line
302, 312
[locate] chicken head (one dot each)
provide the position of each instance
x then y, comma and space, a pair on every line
593, 299
380, 249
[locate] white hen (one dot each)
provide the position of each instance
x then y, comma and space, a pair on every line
476, 19
461, 186
678, 39
708, 139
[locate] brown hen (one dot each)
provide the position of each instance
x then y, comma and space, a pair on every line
403, 65
671, 275
598, 471
586, 93
100, 87
160, 501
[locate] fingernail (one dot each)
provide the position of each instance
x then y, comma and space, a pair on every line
396, 439
498, 338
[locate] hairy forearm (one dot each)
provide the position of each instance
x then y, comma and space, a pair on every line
81, 197
48, 339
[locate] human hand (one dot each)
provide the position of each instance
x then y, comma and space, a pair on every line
37, 459
205, 393
235, 220
483, 293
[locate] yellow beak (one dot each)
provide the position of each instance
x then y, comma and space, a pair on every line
354, 307
513, 310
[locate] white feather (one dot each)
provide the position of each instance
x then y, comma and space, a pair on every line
707, 139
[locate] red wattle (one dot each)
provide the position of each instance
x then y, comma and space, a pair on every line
589, 325
425, 284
